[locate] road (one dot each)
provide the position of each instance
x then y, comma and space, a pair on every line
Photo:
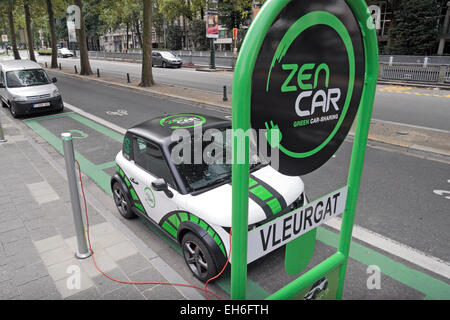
419, 107
396, 203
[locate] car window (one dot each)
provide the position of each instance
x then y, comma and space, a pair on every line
150, 158
168, 55
2, 76
27, 78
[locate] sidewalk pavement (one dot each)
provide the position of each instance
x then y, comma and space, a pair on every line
37, 235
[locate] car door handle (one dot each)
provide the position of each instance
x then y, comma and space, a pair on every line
134, 181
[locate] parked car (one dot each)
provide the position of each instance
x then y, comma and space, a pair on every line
64, 53
25, 88
191, 203
166, 59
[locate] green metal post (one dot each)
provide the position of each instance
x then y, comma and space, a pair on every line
241, 97
361, 12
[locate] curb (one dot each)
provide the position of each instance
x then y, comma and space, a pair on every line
415, 84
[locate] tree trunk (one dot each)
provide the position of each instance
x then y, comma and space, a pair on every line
84, 55
147, 75
138, 32
51, 23
26, 7
12, 30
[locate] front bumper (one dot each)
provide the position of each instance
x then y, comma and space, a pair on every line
174, 64
26, 108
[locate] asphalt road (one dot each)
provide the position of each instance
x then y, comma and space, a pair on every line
419, 107
396, 196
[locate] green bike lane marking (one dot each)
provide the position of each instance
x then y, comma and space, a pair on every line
431, 287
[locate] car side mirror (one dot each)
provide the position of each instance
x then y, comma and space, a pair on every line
161, 185
54, 80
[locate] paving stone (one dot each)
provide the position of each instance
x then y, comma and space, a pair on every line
49, 243
43, 232
14, 235
29, 273
162, 292
10, 225
121, 250
38, 289
57, 256
62, 270
105, 285
147, 275
8, 290
133, 264
129, 292
88, 294
4, 274
19, 246
68, 286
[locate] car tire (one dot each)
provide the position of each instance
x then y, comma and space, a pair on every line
198, 257
122, 201
13, 111
164, 64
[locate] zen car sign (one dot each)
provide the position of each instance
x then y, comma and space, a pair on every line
286, 228
307, 83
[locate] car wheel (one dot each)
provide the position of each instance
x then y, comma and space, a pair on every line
198, 257
13, 111
122, 202
164, 64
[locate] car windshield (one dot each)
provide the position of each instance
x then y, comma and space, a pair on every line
168, 55
214, 165
27, 78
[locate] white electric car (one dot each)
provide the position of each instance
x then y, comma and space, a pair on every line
190, 201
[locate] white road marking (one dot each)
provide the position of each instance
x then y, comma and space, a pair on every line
400, 250
393, 247
412, 126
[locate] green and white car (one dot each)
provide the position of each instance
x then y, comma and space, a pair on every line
191, 203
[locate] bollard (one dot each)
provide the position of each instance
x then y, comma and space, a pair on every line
225, 98
69, 158
46, 64
2, 133
75, 69
98, 73
128, 77
60, 66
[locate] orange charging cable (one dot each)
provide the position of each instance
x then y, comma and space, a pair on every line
205, 290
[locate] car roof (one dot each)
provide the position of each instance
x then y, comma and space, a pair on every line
12, 65
160, 129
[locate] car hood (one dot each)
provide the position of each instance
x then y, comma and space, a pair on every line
33, 91
215, 206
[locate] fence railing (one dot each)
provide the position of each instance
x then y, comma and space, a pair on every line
432, 70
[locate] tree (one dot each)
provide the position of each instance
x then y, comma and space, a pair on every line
174, 36
81, 35
12, 29
234, 13
147, 74
416, 31
198, 35
26, 7
51, 22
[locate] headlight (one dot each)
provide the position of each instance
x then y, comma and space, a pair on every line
19, 98
56, 93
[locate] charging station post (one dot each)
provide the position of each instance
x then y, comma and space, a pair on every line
83, 251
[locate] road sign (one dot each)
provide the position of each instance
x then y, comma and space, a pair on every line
316, 93
305, 70
4, 38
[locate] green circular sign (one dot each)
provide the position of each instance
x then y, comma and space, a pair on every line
308, 82
182, 121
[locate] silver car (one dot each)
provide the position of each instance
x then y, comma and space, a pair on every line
166, 59
25, 88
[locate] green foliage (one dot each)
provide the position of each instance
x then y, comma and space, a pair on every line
234, 13
174, 34
197, 33
416, 30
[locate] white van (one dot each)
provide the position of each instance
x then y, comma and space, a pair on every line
25, 88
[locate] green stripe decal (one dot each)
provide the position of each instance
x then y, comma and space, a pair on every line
252, 183
274, 205
261, 192
133, 194
166, 226
140, 207
183, 216
175, 221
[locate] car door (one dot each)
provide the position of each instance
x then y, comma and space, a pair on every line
3, 96
149, 165
156, 58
